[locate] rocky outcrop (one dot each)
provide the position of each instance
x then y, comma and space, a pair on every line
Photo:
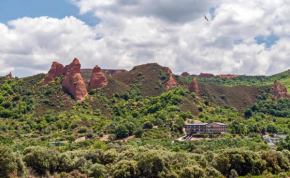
193, 87
184, 74
113, 72
171, 82
206, 75
227, 76
280, 91
73, 81
98, 79
56, 70
9, 75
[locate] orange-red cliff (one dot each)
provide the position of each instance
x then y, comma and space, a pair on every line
227, 76
56, 70
98, 79
206, 75
193, 87
280, 91
184, 74
171, 82
74, 82
9, 75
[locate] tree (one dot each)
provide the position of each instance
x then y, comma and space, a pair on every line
248, 113
150, 164
284, 144
148, 125
97, 171
122, 131
41, 159
7, 161
125, 169
192, 172
237, 128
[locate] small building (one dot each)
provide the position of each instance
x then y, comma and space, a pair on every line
206, 128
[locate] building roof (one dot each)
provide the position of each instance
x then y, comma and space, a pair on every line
197, 124
219, 123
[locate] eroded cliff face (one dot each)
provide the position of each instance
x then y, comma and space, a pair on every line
193, 87
206, 75
171, 82
9, 75
227, 76
280, 91
56, 70
73, 81
184, 74
98, 79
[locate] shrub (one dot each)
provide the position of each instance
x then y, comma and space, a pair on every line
6, 104
83, 130
8, 162
110, 156
192, 172
122, 131
148, 125
125, 169
41, 159
150, 164
97, 171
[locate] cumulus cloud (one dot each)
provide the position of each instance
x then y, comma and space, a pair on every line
171, 33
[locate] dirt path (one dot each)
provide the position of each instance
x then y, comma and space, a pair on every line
105, 137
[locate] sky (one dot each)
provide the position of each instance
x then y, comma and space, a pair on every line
241, 37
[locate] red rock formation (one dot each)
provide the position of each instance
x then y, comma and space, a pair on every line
193, 87
9, 75
206, 75
280, 91
227, 76
74, 82
185, 74
171, 82
98, 79
113, 72
56, 70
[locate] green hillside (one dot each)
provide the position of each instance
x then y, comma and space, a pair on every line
283, 78
130, 127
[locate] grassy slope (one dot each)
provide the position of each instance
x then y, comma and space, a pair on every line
283, 77
147, 77
239, 97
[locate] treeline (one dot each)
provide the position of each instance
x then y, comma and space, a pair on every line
144, 161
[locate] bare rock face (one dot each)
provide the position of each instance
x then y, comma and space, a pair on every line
56, 70
185, 74
227, 76
9, 75
206, 75
74, 82
280, 91
171, 82
98, 79
193, 87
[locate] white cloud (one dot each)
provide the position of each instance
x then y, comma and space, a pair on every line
171, 33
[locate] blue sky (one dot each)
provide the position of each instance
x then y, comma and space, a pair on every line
14, 9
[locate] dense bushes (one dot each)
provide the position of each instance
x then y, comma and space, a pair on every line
145, 161
10, 163
41, 159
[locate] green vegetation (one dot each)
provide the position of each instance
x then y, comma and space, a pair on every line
283, 78
130, 128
